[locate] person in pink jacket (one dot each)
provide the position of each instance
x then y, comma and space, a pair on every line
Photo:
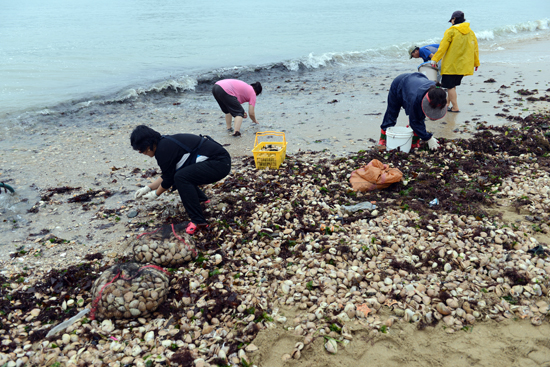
230, 94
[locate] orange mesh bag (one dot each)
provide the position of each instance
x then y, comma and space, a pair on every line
374, 175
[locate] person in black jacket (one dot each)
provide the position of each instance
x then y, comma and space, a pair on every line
186, 161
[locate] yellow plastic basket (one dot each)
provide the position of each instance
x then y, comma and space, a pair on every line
269, 159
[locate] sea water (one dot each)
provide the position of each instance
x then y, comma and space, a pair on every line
61, 55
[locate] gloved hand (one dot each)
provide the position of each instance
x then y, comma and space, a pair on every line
434, 64
476, 68
151, 196
141, 192
433, 143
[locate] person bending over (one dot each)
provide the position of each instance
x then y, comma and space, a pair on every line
421, 98
460, 55
230, 94
186, 161
425, 52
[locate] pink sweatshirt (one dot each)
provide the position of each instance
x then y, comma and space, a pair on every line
236, 88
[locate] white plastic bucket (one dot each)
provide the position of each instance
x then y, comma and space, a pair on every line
428, 70
399, 137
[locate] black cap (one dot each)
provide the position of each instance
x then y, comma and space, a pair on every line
457, 15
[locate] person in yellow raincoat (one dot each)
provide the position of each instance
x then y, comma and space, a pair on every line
460, 55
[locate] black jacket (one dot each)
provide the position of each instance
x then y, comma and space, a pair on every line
168, 154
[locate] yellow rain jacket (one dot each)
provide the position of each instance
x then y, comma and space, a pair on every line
459, 51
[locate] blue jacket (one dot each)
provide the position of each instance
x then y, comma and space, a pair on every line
407, 91
424, 52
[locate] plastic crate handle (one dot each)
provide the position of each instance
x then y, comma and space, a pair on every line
266, 133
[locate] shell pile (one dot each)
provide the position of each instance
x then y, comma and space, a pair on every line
168, 252
271, 148
135, 292
281, 243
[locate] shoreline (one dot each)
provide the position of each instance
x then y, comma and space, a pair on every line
82, 149
98, 157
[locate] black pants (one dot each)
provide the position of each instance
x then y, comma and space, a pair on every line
189, 178
228, 103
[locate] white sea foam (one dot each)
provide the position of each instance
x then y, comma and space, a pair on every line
508, 33
525, 28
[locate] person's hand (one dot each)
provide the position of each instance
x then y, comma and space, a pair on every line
141, 192
433, 143
476, 68
151, 196
245, 115
434, 64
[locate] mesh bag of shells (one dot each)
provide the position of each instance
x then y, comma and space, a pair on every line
165, 247
129, 290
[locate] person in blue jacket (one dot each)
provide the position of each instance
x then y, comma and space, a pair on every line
425, 52
421, 98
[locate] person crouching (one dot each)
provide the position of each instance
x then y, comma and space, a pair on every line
186, 161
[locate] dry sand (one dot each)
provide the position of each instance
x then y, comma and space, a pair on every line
97, 155
510, 343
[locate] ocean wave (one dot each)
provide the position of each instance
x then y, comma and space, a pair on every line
515, 29
504, 34
397, 52
492, 39
176, 84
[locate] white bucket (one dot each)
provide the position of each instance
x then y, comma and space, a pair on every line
399, 137
428, 70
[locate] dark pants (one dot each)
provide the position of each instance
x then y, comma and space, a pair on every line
228, 103
189, 178
394, 104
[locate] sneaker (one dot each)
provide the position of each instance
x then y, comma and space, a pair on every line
237, 133
192, 227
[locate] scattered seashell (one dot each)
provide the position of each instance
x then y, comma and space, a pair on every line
331, 346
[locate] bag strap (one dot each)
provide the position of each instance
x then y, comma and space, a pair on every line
185, 147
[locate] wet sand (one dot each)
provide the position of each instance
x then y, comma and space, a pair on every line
338, 110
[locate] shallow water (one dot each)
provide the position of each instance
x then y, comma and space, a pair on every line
60, 55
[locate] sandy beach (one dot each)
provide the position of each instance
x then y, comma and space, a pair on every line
336, 114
